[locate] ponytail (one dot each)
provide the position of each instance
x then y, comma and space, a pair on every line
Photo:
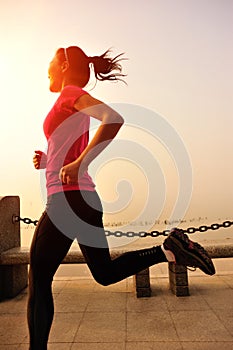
105, 65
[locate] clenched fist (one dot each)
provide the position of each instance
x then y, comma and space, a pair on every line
40, 160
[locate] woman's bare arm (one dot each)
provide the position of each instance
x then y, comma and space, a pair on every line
111, 122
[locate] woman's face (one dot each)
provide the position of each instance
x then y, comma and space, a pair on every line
55, 75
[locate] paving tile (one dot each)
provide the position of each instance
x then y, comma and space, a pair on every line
115, 315
204, 325
24, 346
64, 327
226, 318
51, 346
193, 302
71, 302
150, 326
121, 286
15, 305
79, 286
13, 328
159, 285
207, 345
107, 302
74, 270
58, 286
219, 299
228, 279
145, 304
98, 346
102, 327
186, 304
59, 346
153, 346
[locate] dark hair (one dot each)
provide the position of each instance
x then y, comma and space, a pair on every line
103, 65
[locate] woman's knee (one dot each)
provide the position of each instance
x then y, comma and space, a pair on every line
105, 278
102, 280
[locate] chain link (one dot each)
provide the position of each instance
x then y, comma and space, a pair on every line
27, 221
141, 234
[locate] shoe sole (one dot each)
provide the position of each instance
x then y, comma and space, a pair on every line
202, 264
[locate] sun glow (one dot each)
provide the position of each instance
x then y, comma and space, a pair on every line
4, 68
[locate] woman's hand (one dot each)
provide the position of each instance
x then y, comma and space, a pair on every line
71, 173
40, 160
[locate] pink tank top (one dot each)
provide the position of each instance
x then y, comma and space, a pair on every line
67, 133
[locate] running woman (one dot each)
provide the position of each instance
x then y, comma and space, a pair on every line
73, 207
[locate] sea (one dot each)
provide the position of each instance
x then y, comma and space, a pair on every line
221, 236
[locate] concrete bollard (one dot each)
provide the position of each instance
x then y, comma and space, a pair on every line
178, 279
13, 278
142, 283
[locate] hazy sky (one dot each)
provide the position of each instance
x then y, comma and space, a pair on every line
180, 68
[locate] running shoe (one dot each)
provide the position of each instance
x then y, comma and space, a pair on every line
187, 252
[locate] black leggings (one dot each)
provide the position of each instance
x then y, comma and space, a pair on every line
50, 245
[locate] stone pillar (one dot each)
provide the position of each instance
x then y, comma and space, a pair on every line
142, 283
13, 278
178, 279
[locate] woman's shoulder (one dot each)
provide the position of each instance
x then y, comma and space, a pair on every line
70, 94
70, 90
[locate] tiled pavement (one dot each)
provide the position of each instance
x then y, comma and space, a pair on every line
91, 317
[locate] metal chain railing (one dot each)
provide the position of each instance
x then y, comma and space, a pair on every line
141, 234
27, 221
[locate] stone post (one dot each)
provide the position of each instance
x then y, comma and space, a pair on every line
13, 278
142, 283
178, 279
